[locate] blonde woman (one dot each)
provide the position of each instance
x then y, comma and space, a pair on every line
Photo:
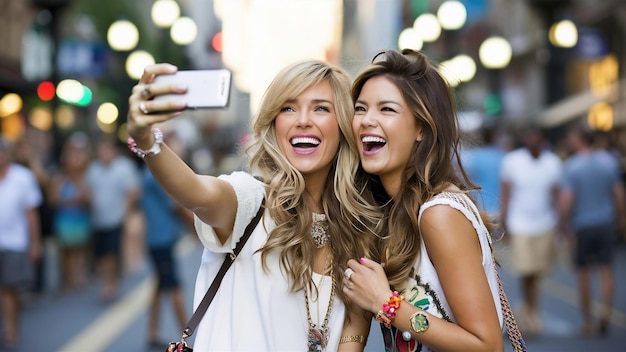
283, 292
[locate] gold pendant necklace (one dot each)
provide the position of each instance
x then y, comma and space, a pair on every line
319, 230
318, 336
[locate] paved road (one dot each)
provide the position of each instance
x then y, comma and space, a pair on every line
79, 322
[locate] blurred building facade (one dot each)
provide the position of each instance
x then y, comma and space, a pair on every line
542, 82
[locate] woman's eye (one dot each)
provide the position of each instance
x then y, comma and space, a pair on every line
386, 108
322, 108
287, 109
359, 108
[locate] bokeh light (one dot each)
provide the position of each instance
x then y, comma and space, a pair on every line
122, 35
164, 13
136, 62
410, 39
184, 31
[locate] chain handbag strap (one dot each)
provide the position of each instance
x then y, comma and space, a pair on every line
512, 330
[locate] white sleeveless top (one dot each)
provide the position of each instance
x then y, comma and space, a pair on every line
254, 310
423, 289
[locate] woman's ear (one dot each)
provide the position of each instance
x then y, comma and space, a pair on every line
419, 133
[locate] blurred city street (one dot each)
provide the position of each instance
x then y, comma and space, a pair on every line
68, 67
78, 321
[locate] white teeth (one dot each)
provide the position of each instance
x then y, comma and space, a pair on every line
305, 140
373, 139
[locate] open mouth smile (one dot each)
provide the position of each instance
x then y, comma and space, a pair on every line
305, 145
372, 144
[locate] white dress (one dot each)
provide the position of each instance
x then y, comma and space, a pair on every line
423, 289
254, 310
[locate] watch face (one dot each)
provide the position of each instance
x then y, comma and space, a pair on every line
419, 323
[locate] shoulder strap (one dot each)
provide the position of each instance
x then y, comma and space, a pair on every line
512, 330
228, 261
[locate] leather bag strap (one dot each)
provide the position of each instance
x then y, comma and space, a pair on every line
228, 261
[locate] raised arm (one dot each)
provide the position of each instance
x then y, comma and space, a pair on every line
212, 200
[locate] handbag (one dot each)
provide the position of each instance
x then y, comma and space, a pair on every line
182, 346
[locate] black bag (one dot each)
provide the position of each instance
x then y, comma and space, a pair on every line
181, 346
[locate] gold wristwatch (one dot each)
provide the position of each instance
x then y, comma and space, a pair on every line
418, 322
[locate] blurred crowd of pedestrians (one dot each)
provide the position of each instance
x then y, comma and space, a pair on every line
85, 209
552, 203
85, 219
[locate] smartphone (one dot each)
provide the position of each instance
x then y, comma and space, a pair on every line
206, 89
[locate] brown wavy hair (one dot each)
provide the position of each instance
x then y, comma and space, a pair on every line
434, 163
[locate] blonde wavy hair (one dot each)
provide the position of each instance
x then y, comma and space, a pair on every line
434, 163
350, 216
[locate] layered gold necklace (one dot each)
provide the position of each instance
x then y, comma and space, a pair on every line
317, 338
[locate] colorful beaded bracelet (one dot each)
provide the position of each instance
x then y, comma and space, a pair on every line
388, 313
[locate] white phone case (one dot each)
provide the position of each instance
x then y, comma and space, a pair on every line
205, 88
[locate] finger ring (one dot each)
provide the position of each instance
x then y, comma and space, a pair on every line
146, 91
143, 108
348, 273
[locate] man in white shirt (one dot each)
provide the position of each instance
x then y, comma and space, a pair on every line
113, 180
20, 243
529, 179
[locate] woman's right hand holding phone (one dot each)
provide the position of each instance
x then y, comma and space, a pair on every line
143, 111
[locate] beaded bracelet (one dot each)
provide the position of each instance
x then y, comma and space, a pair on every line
388, 313
154, 150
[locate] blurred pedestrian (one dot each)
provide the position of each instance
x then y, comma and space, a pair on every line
70, 195
20, 237
482, 165
113, 182
28, 151
530, 177
165, 222
592, 200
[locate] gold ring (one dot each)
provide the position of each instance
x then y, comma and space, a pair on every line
143, 108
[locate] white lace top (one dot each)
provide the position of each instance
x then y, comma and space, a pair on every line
423, 288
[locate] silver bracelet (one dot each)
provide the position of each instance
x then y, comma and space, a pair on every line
154, 150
